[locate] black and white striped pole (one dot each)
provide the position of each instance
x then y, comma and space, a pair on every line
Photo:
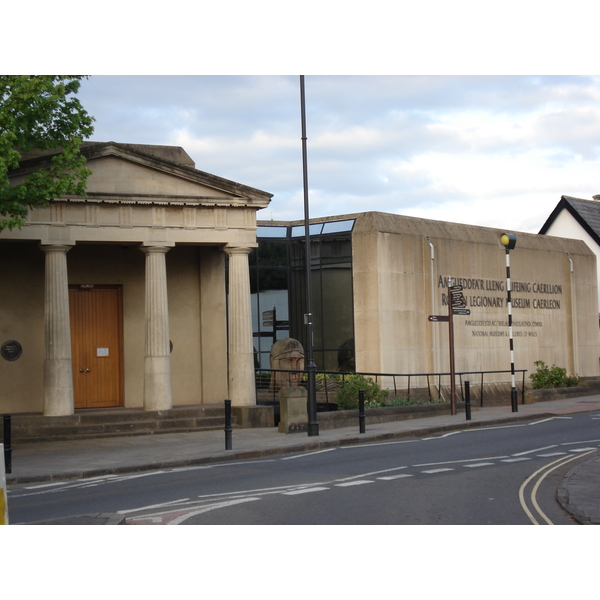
509, 241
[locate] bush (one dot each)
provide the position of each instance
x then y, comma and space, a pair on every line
551, 377
347, 396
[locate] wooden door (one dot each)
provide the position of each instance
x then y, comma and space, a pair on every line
96, 346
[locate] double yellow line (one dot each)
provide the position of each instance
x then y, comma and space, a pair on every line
546, 471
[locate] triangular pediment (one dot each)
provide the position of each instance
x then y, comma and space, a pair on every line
140, 174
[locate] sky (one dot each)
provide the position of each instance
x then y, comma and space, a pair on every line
490, 150
473, 112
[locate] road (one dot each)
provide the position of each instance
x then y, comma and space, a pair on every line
496, 475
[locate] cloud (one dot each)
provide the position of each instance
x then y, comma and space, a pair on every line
488, 150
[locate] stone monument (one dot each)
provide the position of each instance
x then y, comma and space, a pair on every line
287, 354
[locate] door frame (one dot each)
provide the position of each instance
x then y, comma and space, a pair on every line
119, 330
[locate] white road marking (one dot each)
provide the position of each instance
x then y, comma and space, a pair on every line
371, 473
536, 450
549, 454
355, 446
466, 460
305, 491
307, 454
582, 449
515, 459
438, 437
392, 477
548, 419
151, 506
349, 483
430, 471
582, 442
483, 464
189, 515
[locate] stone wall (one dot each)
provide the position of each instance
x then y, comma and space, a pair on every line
401, 267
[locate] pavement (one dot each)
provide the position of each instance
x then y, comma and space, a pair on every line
78, 459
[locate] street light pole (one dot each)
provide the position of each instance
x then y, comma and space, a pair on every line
509, 241
313, 425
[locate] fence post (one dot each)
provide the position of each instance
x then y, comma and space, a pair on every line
361, 411
228, 429
7, 443
468, 400
3, 495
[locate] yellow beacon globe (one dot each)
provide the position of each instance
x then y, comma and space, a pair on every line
504, 239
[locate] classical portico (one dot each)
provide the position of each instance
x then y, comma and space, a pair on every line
134, 285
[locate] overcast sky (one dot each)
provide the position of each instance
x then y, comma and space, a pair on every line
497, 151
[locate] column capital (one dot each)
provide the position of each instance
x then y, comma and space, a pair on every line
239, 249
63, 248
151, 249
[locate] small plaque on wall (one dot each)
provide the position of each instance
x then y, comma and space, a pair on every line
11, 350
101, 351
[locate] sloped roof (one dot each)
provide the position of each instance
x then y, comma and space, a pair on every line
168, 159
585, 212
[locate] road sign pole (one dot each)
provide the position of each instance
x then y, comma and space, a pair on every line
451, 342
457, 305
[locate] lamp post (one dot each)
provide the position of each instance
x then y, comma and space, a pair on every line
313, 425
509, 241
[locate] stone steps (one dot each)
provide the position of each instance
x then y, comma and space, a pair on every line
112, 422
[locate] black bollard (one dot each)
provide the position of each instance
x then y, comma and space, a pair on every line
468, 400
228, 429
361, 410
7, 444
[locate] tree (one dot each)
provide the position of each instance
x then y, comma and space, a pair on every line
40, 113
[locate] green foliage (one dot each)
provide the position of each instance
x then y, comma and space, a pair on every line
551, 377
347, 395
41, 113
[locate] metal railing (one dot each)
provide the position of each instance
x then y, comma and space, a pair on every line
328, 382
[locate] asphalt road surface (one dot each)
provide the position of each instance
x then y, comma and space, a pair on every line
496, 475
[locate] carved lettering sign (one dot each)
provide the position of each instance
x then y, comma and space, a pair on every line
543, 293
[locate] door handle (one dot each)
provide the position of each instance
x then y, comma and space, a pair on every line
84, 370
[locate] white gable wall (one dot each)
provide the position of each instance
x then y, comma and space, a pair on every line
566, 226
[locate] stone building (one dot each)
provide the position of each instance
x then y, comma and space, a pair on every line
160, 289
119, 299
377, 278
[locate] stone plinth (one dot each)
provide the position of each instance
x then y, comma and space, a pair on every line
293, 410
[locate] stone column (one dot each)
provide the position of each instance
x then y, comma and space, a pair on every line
58, 376
242, 390
157, 365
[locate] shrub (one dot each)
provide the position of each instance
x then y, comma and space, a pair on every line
347, 396
551, 377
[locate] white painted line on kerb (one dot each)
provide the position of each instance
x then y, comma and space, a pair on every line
305, 491
349, 483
